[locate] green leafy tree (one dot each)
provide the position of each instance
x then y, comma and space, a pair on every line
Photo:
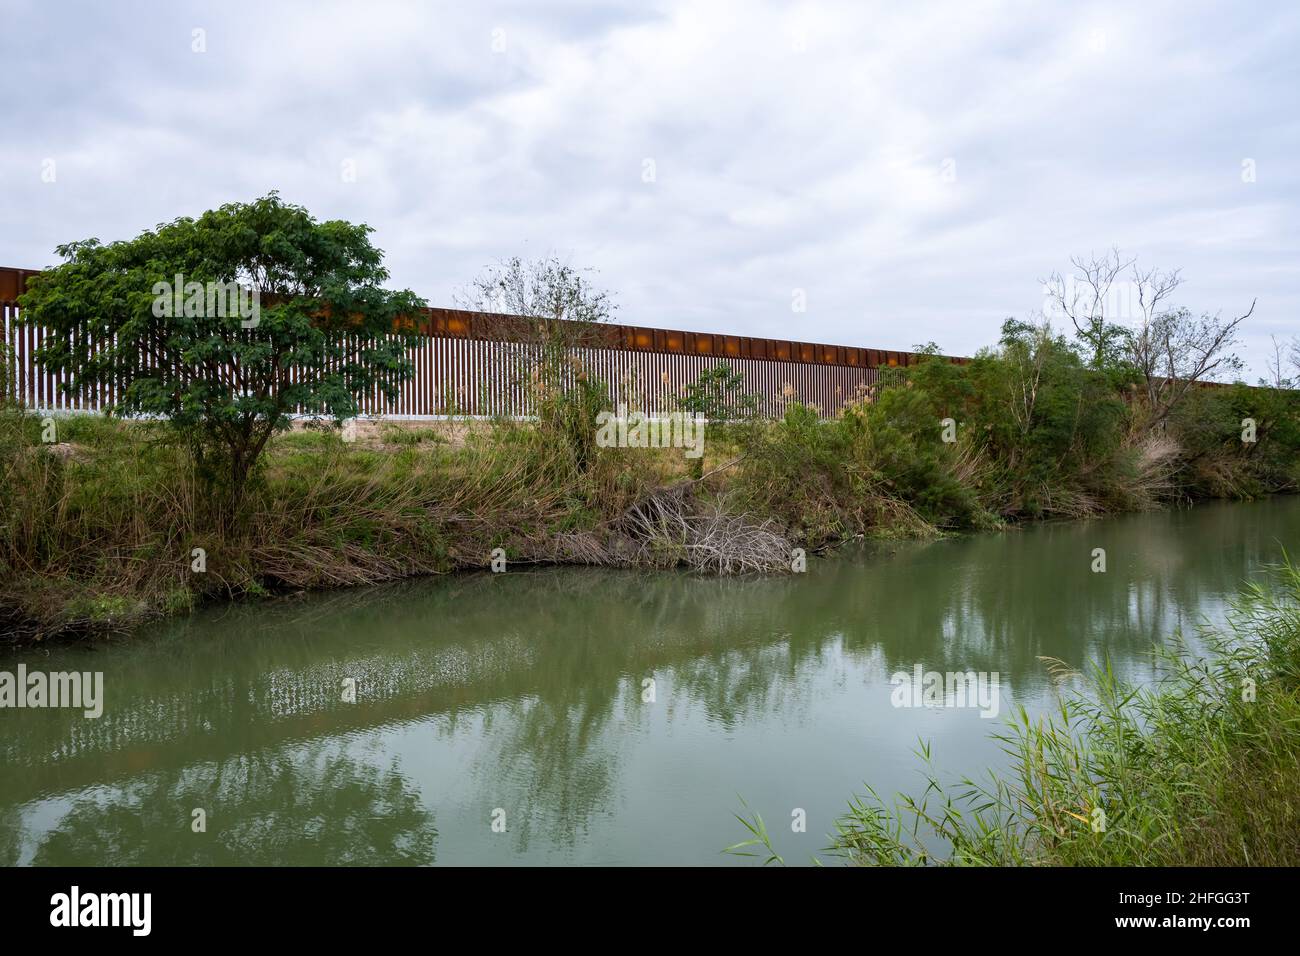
321, 333
1042, 414
896, 444
718, 394
946, 383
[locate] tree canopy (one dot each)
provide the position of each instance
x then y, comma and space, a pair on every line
144, 320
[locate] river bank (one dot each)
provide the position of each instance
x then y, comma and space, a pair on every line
111, 522
110, 527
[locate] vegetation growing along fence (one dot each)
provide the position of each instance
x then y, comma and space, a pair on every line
474, 363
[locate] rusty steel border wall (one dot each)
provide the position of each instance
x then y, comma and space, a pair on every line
467, 364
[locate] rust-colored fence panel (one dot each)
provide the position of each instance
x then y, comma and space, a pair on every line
471, 363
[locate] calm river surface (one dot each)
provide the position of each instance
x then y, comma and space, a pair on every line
524, 692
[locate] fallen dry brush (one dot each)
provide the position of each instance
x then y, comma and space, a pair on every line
672, 523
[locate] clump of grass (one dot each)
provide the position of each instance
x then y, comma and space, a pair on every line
1200, 769
759, 843
396, 435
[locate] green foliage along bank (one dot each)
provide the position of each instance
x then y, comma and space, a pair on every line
193, 487
103, 527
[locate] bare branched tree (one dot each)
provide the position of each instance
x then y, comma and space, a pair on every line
1083, 297
544, 313
1146, 348
1178, 350
1277, 365
1171, 349
566, 309
546, 289
1154, 289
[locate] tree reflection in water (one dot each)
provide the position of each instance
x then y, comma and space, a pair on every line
306, 807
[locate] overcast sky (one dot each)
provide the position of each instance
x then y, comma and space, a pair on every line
914, 169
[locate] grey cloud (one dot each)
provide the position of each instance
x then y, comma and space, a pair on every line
794, 147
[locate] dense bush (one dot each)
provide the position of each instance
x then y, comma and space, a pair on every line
1038, 416
879, 467
1037, 431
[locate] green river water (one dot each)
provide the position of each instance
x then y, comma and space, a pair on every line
524, 698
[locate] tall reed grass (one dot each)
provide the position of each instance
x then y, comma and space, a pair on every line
1202, 768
